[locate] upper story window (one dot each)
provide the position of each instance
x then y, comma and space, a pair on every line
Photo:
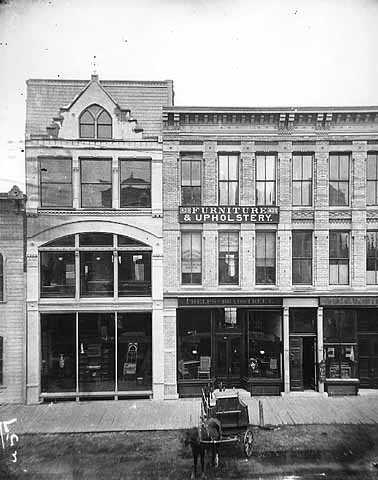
191, 179
339, 179
265, 258
56, 182
1, 278
372, 258
229, 258
135, 183
95, 265
95, 122
228, 179
191, 257
302, 179
372, 179
338, 258
265, 179
302, 257
96, 183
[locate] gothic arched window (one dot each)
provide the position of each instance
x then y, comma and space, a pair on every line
95, 122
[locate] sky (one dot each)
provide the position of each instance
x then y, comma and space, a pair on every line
217, 52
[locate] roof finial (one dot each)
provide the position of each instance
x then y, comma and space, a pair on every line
94, 76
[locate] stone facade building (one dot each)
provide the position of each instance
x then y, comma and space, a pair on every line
12, 297
94, 238
270, 226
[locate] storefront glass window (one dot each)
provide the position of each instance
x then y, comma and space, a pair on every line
96, 347
229, 258
194, 345
58, 372
264, 344
57, 274
134, 351
340, 343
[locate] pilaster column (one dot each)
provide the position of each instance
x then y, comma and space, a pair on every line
157, 325
210, 174
319, 332
33, 334
170, 350
32, 183
156, 190
286, 358
209, 257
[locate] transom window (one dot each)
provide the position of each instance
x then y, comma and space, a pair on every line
372, 178
95, 265
339, 179
266, 179
95, 122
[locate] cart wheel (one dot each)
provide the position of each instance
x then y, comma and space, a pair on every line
248, 442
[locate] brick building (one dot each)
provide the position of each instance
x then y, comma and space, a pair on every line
94, 238
270, 230
12, 297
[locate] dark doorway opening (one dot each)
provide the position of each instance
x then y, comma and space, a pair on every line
308, 363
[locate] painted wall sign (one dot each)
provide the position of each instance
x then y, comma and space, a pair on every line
348, 301
228, 301
229, 214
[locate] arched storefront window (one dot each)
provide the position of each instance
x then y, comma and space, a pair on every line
95, 265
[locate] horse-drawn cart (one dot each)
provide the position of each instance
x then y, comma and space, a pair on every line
232, 413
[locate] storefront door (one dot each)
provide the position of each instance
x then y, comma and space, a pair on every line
368, 360
228, 357
302, 363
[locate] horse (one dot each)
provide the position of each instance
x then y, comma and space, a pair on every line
208, 431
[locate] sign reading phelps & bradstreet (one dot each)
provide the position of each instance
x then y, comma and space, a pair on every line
229, 214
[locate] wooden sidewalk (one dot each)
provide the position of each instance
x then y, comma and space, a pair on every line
129, 415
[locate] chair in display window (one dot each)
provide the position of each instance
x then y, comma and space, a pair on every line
204, 367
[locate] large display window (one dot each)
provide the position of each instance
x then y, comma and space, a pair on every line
87, 353
264, 340
340, 343
194, 345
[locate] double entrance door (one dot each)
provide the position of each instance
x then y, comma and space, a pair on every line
368, 360
228, 358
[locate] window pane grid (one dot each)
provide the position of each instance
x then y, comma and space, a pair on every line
228, 182
302, 179
265, 179
339, 179
372, 178
265, 258
302, 257
190, 180
338, 258
95, 122
56, 182
229, 258
191, 258
96, 183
